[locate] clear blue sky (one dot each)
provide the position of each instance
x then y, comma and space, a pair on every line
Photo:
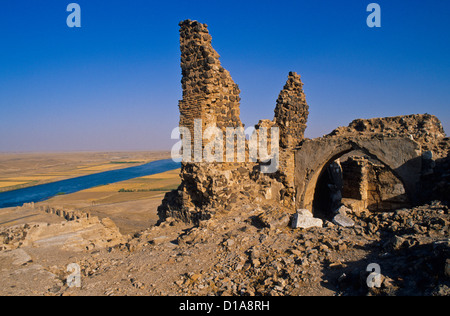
114, 83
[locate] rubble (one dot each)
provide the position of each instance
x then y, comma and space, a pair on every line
297, 262
241, 242
233, 254
229, 229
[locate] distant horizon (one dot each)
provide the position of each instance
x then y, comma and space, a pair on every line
113, 85
85, 151
168, 150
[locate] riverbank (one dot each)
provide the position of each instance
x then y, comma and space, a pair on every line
22, 170
131, 204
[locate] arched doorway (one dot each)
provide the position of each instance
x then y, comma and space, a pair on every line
400, 156
358, 181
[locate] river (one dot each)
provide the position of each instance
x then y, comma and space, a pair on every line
44, 192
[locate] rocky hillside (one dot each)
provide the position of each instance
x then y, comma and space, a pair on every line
245, 254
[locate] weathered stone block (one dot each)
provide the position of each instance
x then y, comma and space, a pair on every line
304, 219
343, 221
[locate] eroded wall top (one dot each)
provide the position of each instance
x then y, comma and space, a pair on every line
291, 112
209, 92
425, 129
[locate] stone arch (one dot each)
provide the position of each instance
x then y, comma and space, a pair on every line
401, 155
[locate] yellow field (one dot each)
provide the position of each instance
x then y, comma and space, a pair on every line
104, 167
160, 182
31, 178
131, 204
173, 174
155, 182
5, 184
24, 170
55, 175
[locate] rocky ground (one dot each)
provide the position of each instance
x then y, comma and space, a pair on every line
238, 253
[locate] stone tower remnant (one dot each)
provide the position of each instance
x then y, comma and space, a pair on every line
209, 92
211, 99
291, 112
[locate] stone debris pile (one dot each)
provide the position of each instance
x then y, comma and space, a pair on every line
411, 246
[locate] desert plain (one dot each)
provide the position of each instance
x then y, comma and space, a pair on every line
20, 170
131, 203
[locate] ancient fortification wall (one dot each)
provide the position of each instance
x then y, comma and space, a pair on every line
413, 148
209, 92
424, 129
210, 95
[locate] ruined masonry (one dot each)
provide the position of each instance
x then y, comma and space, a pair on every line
209, 92
379, 163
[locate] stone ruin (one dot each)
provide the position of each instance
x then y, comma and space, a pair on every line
376, 164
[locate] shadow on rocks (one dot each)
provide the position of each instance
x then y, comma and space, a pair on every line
407, 268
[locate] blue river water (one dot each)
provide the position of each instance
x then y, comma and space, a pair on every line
44, 192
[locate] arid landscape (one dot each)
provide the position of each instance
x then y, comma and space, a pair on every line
120, 210
28, 169
237, 254
339, 186
345, 214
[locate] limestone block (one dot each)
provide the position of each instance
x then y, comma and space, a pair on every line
304, 219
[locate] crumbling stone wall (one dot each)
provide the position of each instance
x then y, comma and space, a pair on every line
291, 116
425, 129
210, 96
373, 184
436, 175
413, 147
316, 155
354, 171
209, 92
291, 112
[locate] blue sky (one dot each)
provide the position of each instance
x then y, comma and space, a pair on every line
114, 83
